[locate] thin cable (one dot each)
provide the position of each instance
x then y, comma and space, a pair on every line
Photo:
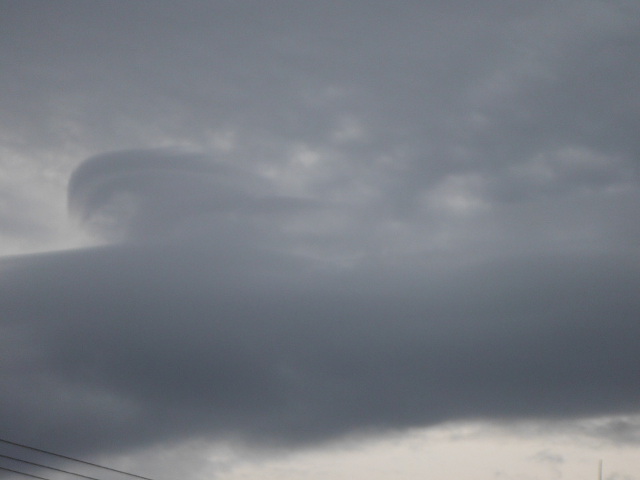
48, 467
73, 459
23, 473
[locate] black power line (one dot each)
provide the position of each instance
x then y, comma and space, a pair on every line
72, 459
23, 473
48, 467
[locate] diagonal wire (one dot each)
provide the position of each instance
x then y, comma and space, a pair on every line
23, 473
48, 467
72, 459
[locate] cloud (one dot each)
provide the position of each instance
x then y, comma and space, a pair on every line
156, 340
398, 217
145, 194
553, 461
546, 456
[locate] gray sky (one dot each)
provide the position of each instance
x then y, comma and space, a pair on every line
291, 223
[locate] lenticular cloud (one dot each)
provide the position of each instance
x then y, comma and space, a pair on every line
159, 194
140, 193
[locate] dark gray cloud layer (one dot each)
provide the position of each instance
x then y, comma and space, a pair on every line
162, 339
403, 214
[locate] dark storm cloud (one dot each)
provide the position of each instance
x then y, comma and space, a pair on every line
416, 213
151, 341
159, 193
448, 86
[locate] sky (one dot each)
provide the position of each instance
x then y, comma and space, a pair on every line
322, 240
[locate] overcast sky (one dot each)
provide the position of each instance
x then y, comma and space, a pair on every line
282, 226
